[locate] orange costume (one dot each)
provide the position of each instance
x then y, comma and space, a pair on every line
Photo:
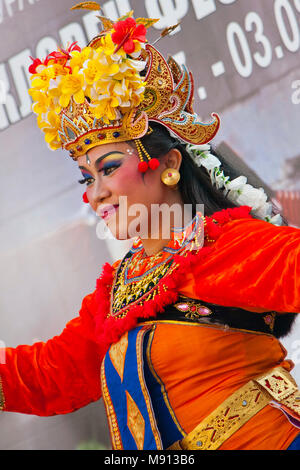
170, 372
183, 345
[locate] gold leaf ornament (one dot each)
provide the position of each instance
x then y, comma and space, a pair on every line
106, 22
169, 30
87, 6
147, 22
127, 15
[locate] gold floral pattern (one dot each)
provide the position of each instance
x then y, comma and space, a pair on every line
135, 422
117, 355
139, 278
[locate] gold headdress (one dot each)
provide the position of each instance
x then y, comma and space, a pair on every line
110, 91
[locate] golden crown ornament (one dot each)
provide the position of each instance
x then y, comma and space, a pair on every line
111, 90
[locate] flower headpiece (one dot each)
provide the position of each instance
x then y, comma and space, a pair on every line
237, 190
112, 89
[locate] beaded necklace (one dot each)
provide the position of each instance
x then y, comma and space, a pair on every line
139, 279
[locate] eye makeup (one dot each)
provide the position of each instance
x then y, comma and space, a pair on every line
107, 163
86, 178
114, 158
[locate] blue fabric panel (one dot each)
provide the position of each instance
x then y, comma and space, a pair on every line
169, 431
131, 384
295, 445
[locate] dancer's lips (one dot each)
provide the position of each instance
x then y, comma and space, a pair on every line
107, 211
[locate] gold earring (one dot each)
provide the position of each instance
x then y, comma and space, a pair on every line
170, 177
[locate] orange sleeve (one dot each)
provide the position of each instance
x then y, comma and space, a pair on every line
253, 265
55, 377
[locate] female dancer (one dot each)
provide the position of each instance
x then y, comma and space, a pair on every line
180, 337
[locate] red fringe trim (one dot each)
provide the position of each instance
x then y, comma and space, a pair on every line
109, 330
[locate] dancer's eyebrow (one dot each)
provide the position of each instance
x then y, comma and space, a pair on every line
101, 158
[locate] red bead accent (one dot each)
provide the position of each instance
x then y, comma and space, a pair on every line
85, 198
142, 167
101, 136
153, 163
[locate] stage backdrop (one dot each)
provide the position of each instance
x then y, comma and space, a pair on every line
245, 60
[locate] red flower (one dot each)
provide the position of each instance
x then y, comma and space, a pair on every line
59, 57
62, 55
125, 32
34, 65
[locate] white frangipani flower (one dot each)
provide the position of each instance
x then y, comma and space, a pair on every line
238, 190
276, 220
237, 183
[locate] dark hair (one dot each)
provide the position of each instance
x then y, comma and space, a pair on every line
195, 184
196, 188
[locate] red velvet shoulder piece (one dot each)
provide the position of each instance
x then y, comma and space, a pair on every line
110, 329
214, 224
254, 265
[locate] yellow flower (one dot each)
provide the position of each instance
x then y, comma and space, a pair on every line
41, 80
55, 145
72, 85
108, 46
137, 50
51, 132
41, 122
41, 102
94, 71
79, 58
105, 109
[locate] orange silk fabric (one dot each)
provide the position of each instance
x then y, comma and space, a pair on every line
201, 365
253, 265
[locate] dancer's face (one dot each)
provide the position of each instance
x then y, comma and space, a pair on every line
118, 192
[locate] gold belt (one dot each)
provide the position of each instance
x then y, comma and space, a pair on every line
276, 385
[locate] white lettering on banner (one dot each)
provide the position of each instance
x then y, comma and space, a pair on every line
170, 12
180, 57
21, 3
123, 7
91, 25
110, 10
19, 67
71, 33
297, 5
291, 43
45, 46
241, 56
10, 7
203, 8
253, 19
227, 2
2, 92
8, 111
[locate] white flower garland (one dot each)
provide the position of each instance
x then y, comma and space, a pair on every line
238, 190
